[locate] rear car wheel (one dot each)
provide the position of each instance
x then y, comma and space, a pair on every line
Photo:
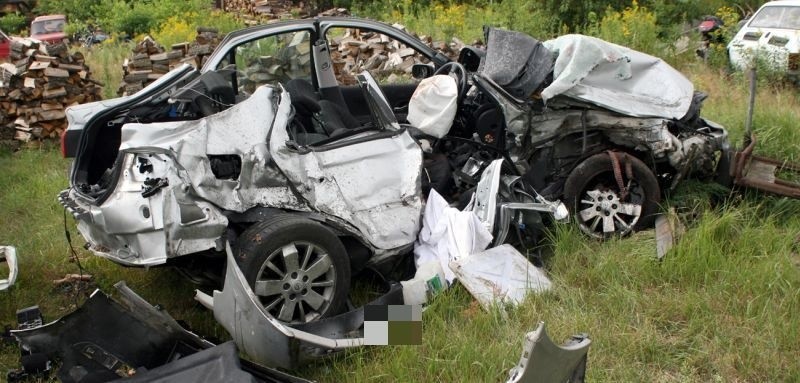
298, 268
600, 206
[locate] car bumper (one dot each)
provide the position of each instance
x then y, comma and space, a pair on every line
124, 248
775, 58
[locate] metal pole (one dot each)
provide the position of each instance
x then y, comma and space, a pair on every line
748, 127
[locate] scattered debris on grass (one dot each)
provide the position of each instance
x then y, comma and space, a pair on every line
105, 340
8, 255
544, 361
499, 276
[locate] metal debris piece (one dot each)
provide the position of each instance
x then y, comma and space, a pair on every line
272, 343
664, 237
8, 254
669, 230
766, 174
544, 361
499, 275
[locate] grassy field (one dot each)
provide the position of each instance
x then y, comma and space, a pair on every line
724, 305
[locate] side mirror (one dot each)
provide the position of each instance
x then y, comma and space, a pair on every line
422, 71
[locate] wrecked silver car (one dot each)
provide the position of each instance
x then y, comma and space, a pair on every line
307, 192
313, 180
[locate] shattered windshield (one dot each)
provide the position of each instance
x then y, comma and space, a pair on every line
783, 17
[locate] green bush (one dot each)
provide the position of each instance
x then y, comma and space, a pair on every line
183, 27
13, 23
634, 27
132, 17
74, 9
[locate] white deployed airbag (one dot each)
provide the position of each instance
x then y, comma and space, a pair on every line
433, 106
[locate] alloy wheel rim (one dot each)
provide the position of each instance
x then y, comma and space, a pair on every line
296, 282
601, 212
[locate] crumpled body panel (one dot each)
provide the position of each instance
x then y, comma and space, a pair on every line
370, 181
176, 181
617, 78
240, 130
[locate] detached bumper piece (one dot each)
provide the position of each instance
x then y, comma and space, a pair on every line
105, 340
544, 361
275, 344
8, 254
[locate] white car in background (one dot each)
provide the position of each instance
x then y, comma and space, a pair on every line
773, 35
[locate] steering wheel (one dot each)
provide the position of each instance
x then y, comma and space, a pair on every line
460, 73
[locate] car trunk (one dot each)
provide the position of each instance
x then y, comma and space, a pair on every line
95, 167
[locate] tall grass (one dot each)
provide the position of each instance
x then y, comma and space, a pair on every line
105, 63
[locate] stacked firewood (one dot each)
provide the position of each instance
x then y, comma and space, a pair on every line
254, 12
357, 51
39, 82
150, 60
23, 7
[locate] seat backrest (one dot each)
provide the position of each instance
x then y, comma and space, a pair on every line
331, 118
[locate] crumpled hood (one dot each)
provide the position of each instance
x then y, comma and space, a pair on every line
617, 78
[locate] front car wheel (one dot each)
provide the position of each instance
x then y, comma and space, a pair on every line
612, 195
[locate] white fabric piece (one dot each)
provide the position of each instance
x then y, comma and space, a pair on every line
617, 78
448, 234
499, 275
433, 105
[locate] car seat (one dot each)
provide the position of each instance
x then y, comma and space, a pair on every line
319, 119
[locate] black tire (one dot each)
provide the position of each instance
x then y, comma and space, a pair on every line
265, 250
592, 194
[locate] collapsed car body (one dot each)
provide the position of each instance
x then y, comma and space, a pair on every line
313, 180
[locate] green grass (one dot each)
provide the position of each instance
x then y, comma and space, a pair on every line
33, 221
105, 63
724, 305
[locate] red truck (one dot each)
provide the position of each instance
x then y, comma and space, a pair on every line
5, 45
49, 29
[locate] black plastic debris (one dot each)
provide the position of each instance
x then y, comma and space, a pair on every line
106, 340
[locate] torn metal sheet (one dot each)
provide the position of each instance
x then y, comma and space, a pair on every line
544, 361
272, 343
107, 340
497, 212
370, 180
669, 230
617, 78
766, 174
8, 254
500, 275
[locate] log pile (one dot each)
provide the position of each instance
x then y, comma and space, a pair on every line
357, 51
150, 60
255, 12
23, 7
39, 82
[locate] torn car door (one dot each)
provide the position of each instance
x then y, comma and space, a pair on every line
369, 178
